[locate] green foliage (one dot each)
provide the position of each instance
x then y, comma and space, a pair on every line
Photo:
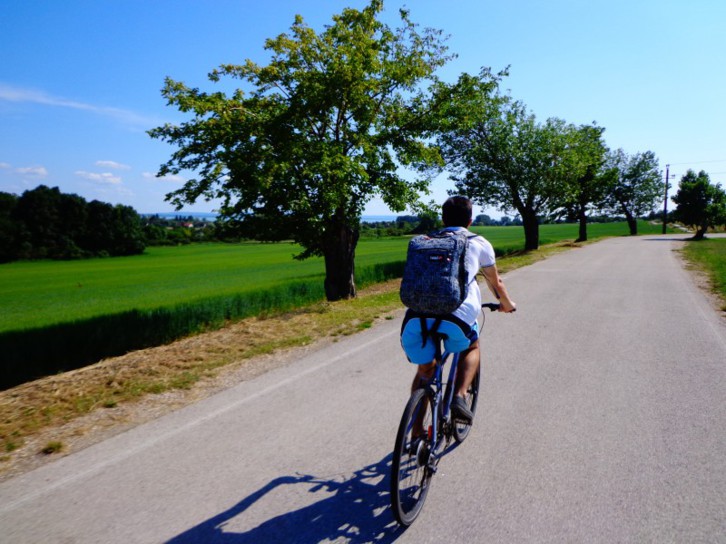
313, 135
45, 223
503, 157
586, 186
700, 204
633, 185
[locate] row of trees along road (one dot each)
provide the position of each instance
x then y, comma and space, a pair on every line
314, 135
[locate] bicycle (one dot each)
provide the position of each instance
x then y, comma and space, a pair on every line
416, 458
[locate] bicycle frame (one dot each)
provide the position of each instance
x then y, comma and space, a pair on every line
442, 417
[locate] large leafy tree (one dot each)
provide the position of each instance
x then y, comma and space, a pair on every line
587, 187
501, 156
634, 185
700, 204
313, 135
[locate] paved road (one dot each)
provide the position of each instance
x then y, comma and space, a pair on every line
602, 420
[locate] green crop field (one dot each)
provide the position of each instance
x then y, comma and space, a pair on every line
37, 294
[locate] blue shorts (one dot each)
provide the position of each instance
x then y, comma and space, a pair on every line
457, 336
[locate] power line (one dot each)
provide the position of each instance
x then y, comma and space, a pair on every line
698, 162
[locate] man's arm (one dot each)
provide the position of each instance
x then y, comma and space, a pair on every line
498, 289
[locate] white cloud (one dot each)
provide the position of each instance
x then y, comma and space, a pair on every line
32, 171
104, 178
171, 178
4, 166
113, 164
16, 94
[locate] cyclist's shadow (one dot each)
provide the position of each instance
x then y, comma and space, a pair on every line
353, 509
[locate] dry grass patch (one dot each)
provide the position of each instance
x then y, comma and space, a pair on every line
28, 409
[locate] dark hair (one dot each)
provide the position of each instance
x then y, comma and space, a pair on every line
456, 211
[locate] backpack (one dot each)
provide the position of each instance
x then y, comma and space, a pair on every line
435, 276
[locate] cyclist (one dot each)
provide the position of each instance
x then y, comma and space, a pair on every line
459, 329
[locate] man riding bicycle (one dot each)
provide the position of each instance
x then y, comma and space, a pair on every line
459, 328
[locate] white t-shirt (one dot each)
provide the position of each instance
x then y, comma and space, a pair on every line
479, 254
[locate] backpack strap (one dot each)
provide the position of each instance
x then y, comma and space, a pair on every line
427, 332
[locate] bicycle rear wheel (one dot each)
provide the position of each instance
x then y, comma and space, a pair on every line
461, 430
410, 475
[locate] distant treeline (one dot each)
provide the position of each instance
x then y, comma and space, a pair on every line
44, 223
412, 224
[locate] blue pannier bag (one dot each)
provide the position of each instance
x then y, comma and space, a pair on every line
435, 277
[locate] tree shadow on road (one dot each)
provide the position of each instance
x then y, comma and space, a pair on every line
353, 509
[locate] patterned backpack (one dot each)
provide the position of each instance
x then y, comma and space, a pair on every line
435, 277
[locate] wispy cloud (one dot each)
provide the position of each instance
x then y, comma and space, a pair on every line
104, 178
10, 93
113, 164
4, 166
32, 171
171, 178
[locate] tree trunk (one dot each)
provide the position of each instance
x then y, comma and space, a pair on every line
339, 251
700, 233
582, 219
632, 224
531, 230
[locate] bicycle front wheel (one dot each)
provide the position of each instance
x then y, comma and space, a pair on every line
410, 474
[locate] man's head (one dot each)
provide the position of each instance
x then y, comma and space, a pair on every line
456, 212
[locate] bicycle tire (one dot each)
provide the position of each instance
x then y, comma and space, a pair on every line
410, 474
461, 430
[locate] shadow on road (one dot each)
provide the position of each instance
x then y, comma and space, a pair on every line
355, 510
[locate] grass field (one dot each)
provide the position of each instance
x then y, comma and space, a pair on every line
710, 256
42, 293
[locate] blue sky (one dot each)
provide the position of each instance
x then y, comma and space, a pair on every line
80, 80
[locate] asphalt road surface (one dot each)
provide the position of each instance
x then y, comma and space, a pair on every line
602, 419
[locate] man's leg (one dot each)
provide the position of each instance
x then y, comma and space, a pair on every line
468, 366
424, 373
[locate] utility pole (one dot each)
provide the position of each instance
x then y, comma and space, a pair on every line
665, 201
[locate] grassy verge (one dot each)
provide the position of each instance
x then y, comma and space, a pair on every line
709, 256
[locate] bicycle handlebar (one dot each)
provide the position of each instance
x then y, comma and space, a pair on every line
493, 306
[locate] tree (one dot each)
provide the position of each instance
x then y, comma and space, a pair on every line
583, 173
699, 204
633, 185
8, 228
36, 215
502, 157
314, 135
113, 230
